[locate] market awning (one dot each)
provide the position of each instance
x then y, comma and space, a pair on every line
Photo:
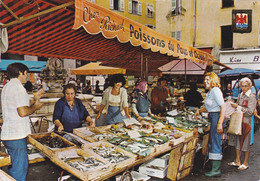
44, 28
34, 66
183, 67
97, 69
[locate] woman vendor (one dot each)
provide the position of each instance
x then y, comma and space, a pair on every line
115, 99
140, 101
214, 104
69, 112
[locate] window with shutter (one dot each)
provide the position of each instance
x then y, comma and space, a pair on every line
130, 9
139, 11
134, 7
150, 10
122, 5
111, 4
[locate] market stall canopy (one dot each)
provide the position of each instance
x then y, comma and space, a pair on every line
34, 66
238, 72
44, 28
183, 67
97, 69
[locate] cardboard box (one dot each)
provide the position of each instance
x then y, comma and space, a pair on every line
151, 170
160, 162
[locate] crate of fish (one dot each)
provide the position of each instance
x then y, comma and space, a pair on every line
92, 134
132, 145
82, 164
115, 155
49, 143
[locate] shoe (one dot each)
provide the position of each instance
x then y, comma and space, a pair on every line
233, 164
242, 167
215, 171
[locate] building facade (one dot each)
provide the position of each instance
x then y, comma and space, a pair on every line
228, 29
141, 11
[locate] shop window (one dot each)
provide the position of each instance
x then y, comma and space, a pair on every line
135, 7
227, 3
150, 10
150, 26
176, 35
176, 7
226, 37
118, 5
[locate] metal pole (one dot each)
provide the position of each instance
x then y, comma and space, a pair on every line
142, 59
146, 69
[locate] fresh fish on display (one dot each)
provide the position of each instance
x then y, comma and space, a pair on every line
103, 136
110, 154
88, 163
52, 142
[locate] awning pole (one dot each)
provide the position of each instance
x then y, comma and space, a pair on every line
146, 69
185, 74
142, 59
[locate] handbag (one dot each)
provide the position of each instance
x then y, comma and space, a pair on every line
235, 124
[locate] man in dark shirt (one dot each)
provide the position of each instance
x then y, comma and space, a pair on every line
193, 97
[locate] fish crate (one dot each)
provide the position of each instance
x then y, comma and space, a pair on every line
49, 151
87, 133
92, 134
131, 157
181, 159
82, 164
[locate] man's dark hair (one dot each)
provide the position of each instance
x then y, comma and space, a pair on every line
69, 86
118, 78
162, 79
14, 69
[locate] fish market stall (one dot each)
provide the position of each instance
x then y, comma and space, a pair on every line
112, 149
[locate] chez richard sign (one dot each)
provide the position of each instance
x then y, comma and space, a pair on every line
96, 19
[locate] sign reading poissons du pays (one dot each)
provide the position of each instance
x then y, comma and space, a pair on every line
96, 19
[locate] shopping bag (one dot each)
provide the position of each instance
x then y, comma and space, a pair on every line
235, 124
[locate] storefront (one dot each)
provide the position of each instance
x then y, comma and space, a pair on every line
247, 58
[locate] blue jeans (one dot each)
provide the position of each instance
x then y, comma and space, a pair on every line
17, 149
214, 144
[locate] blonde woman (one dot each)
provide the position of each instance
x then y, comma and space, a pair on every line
214, 104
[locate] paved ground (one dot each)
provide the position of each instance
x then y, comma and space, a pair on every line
47, 171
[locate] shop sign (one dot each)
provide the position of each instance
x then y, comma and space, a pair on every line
242, 21
96, 19
241, 59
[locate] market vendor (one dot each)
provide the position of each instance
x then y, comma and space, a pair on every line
69, 112
115, 99
214, 104
140, 101
16, 108
159, 95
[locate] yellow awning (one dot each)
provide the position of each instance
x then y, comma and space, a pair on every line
97, 69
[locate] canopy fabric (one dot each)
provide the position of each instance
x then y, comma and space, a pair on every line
44, 28
97, 69
182, 67
237, 72
34, 66
96, 19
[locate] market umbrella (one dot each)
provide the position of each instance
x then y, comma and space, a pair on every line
237, 72
183, 67
97, 69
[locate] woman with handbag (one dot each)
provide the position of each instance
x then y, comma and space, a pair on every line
214, 104
246, 103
